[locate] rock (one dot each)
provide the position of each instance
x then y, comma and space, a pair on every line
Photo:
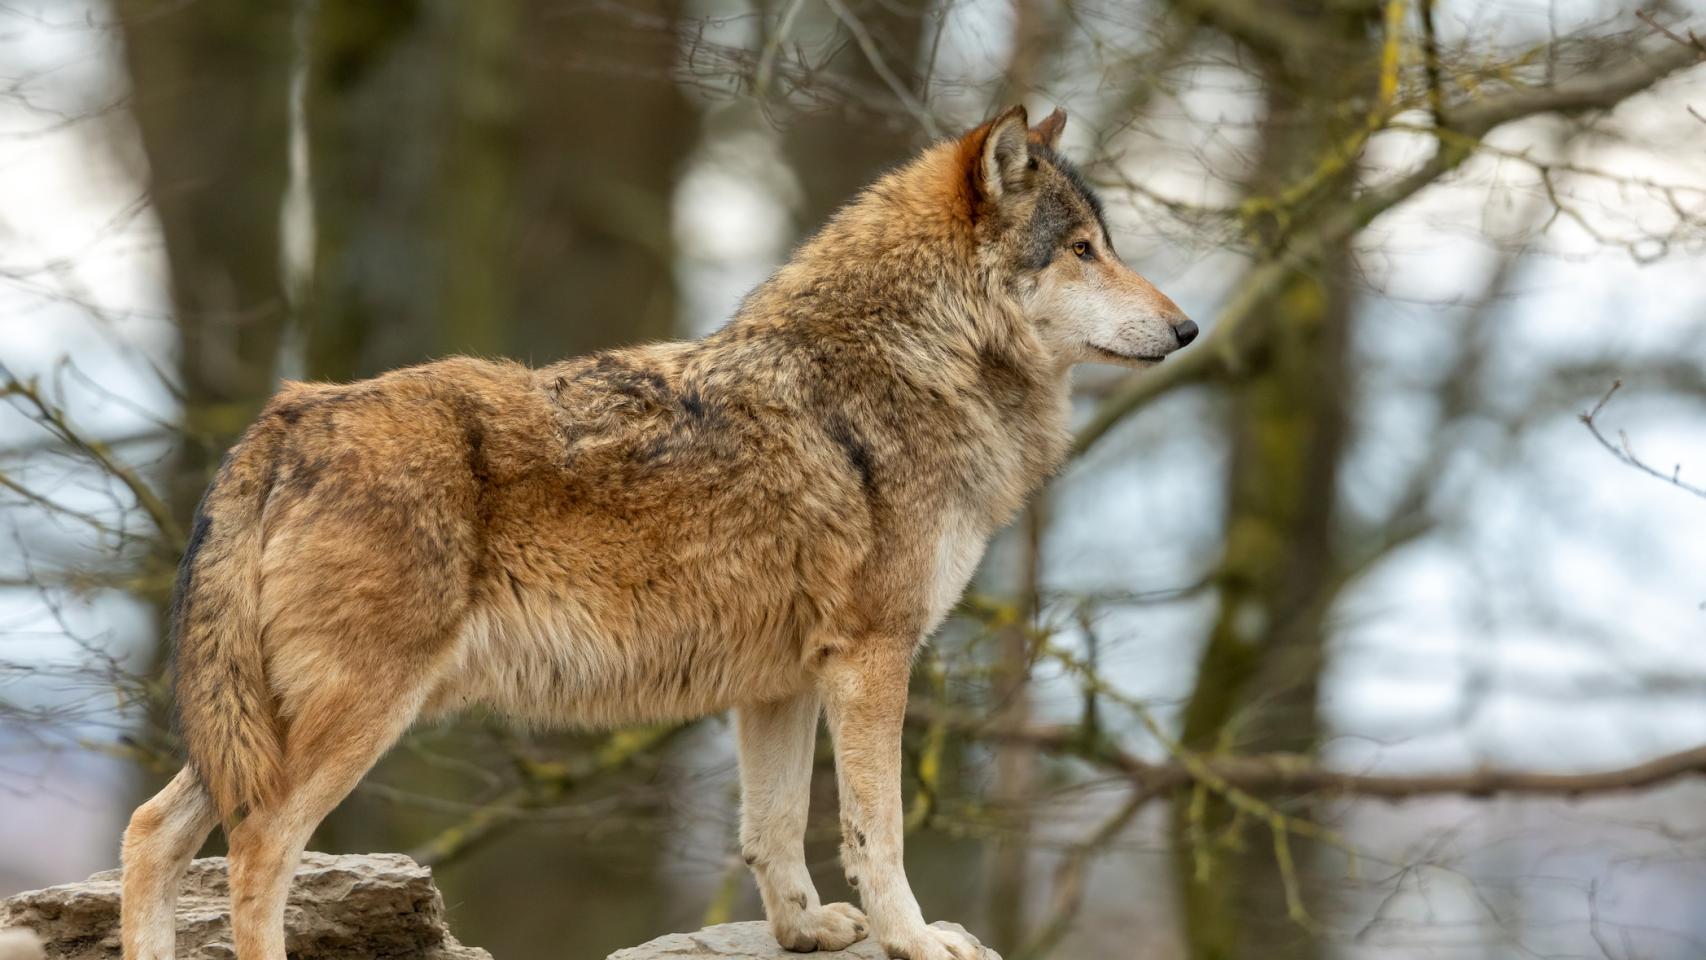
752, 941
380, 905
377, 906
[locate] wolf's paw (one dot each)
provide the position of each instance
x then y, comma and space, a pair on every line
833, 926
936, 942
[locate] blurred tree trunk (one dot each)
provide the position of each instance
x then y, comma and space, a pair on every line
837, 152
413, 107
208, 88
478, 174
1257, 680
1037, 37
478, 187
607, 131
1014, 788
375, 116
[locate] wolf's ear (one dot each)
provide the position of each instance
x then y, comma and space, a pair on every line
1004, 157
1047, 133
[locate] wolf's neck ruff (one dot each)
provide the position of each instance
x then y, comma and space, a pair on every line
906, 315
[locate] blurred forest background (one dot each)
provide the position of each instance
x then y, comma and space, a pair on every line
1344, 634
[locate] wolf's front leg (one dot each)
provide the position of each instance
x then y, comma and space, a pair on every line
776, 741
865, 692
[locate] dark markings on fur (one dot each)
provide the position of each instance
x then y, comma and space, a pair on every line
1054, 219
474, 440
304, 473
179, 610
693, 403
1005, 382
202, 526
269, 481
656, 450
1075, 178
684, 674
290, 413
224, 468
799, 900
1065, 205
858, 453
471, 420
859, 836
750, 858
645, 387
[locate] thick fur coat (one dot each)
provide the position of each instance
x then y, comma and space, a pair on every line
770, 519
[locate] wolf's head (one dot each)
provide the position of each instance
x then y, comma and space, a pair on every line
1042, 226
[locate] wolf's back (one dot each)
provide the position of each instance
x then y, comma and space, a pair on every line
226, 712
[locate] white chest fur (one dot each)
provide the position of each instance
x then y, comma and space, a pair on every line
959, 546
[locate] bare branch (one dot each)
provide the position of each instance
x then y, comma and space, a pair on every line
546, 783
57, 422
1267, 28
868, 46
1239, 329
1294, 774
1625, 452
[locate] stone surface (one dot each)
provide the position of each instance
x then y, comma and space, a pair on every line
751, 941
381, 905
378, 906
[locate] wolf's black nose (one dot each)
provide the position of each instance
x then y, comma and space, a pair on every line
1186, 332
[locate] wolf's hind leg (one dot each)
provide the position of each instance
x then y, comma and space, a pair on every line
333, 741
163, 836
776, 741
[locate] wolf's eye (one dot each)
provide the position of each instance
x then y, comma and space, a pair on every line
1081, 249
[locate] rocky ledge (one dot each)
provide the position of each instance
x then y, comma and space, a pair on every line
751, 941
377, 906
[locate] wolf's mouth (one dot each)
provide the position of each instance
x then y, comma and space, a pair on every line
1116, 355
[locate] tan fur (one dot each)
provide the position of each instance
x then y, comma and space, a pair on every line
769, 518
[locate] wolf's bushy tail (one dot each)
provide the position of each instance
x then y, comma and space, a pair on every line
226, 711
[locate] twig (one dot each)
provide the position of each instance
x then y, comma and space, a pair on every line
868, 46
1068, 894
1430, 62
1692, 40
546, 783
56, 422
772, 47
1623, 451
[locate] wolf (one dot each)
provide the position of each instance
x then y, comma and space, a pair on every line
770, 520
